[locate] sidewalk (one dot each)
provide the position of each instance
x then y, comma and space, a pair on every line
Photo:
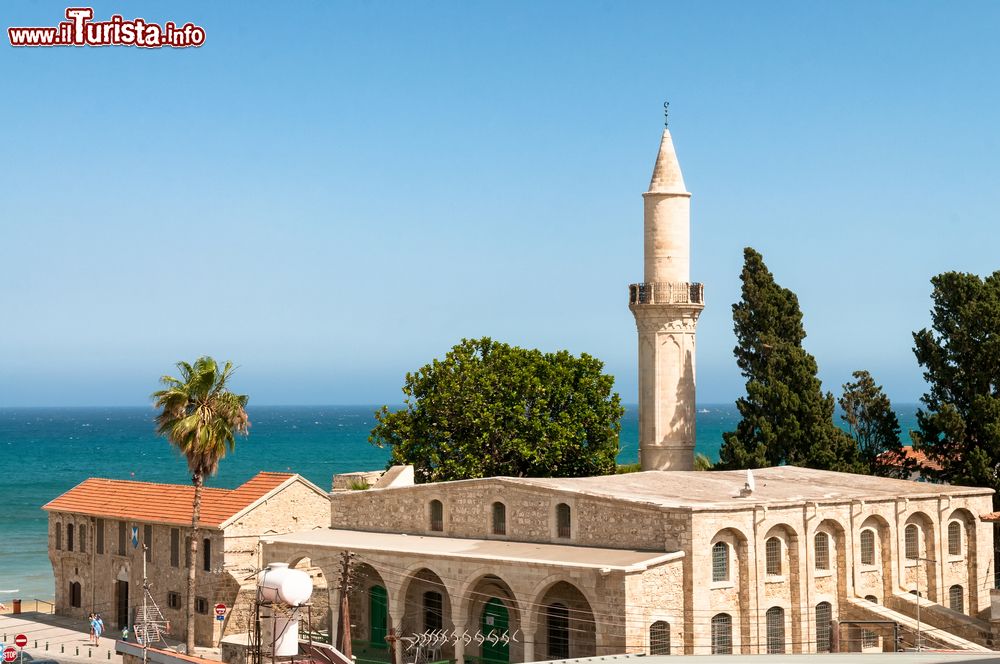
56, 637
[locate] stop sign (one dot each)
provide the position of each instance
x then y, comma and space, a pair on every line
10, 654
20, 640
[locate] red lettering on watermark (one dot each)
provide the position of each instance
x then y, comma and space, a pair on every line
80, 30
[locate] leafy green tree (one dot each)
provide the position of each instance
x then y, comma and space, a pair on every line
874, 426
491, 409
959, 423
201, 418
786, 417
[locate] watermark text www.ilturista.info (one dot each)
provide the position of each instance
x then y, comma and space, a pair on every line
81, 30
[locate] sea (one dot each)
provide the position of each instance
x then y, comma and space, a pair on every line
46, 451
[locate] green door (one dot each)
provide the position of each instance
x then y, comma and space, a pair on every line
495, 620
378, 616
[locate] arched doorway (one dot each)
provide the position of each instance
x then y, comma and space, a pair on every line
565, 626
494, 625
370, 621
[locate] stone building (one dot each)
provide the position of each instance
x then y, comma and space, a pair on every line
664, 561
100, 529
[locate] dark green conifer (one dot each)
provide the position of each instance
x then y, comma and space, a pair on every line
786, 416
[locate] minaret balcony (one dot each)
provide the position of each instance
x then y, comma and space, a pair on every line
665, 292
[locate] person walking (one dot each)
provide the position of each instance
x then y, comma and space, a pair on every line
98, 628
93, 625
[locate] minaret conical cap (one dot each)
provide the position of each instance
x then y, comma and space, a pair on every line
667, 176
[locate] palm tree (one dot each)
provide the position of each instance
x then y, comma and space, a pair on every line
200, 417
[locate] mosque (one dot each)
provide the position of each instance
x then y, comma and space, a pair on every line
664, 561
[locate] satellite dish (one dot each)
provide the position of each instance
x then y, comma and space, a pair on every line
750, 482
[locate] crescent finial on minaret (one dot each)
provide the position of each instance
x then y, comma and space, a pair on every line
666, 114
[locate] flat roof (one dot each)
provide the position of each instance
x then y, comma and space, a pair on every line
923, 657
628, 560
698, 489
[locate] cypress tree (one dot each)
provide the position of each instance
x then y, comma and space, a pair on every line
786, 416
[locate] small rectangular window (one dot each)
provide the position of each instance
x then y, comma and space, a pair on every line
200, 605
122, 538
58, 536
147, 539
175, 547
99, 536
174, 600
499, 519
83, 538
207, 555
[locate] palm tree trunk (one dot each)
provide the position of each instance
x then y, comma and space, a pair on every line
198, 479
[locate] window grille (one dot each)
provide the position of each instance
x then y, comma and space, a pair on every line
955, 538
912, 541
557, 629
867, 547
956, 599
69, 537
822, 550
499, 519
659, 638
99, 536
437, 516
174, 600
775, 630
869, 639
722, 634
772, 551
720, 561
564, 522
200, 605
824, 614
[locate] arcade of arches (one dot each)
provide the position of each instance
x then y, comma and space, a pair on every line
529, 569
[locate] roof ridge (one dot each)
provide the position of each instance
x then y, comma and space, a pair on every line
145, 483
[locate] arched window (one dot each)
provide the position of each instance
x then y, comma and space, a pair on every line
659, 638
722, 634
956, 599
83, 538
378, 616
58, 536
433, 611
557, 630
822, 550
869, 639
499, 518
75, 595
437, 516
69, 537
911, 537
772, 551
720, 561
824, 614
867, 547
775, 630
564, 521
207, 555
954, 538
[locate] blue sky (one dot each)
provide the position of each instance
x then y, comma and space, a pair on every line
332, 194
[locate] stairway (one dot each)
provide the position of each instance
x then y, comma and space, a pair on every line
932, 635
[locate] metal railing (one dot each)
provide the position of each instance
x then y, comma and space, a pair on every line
664, 292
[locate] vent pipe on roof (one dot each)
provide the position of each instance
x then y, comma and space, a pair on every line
748, 488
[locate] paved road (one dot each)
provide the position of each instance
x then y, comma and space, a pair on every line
56, 637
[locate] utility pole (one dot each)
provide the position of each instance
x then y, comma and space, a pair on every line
344, 628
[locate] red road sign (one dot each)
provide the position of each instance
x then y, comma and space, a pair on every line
10, 654
220, 609
20, 640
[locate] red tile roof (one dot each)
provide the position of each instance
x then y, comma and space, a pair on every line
163, 503
916, 456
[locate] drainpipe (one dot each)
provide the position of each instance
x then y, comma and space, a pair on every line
808, 577
756, 575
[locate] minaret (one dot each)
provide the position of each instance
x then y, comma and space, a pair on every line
666, 308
